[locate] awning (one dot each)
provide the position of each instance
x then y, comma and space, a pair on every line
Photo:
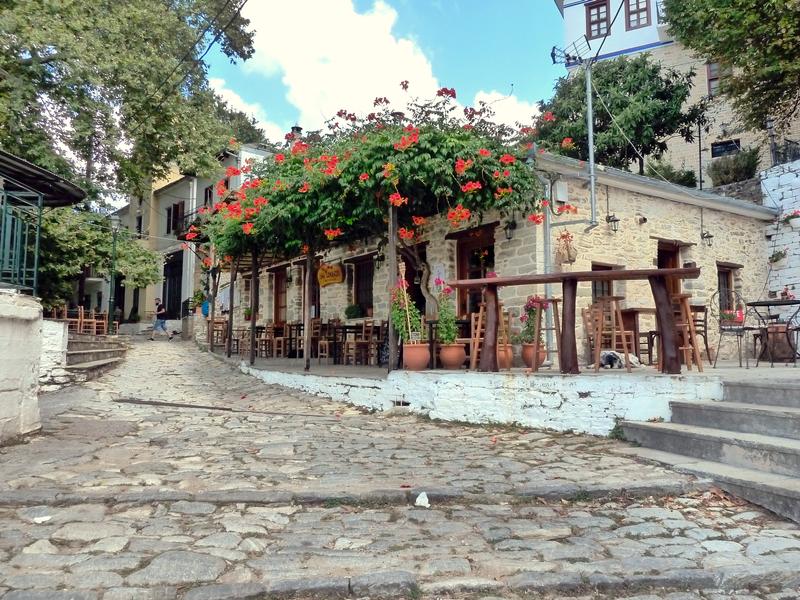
20, 176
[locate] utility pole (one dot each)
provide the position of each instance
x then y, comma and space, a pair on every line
112, 283
700, 154
590, 128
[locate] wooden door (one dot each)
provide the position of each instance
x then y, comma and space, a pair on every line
475, 256
279, 297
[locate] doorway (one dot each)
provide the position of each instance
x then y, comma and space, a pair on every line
475, 256
414, 279
669, 257
173, 279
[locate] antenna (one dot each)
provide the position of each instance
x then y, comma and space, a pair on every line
579, 52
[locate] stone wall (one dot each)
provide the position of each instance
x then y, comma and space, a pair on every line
52, 374
578, 403
749, 190
20, 353
781, 186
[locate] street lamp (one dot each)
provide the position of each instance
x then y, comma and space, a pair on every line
114, 218
613, 222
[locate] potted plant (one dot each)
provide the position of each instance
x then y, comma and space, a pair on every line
408, 323
353, 311
777, 257
248, 313
566, 253
532, 348
792, 219
451, 354
731, 317
197, 300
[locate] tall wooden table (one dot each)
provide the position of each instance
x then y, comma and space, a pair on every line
568, 358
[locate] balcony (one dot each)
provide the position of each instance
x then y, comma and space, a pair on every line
183, 222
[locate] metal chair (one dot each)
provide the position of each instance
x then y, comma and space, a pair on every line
733, 301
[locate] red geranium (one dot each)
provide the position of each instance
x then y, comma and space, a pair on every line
333, 233
406, 234
471, 186
232, 172
418, 221
484, 152
304, 188
397, 200
363, 177
507, 159
247, 228
462, 165
279, 158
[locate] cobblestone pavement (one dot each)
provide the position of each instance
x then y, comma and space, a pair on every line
273, 493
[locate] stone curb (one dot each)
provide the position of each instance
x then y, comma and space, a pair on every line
548, 492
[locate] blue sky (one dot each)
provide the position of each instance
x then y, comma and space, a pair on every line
315, 56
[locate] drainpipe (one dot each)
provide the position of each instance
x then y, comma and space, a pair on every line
590, 129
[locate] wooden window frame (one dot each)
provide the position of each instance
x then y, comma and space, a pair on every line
589, 22
628, 12
597, 285
169, 219
725, 302
715, 78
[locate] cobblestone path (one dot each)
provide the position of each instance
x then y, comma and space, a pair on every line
175, 476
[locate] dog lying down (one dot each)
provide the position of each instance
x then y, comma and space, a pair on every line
610, 359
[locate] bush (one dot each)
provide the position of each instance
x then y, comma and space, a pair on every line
353, 311
737, 167
658, 169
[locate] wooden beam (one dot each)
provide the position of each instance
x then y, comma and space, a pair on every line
489, 349
670, 362
569, 348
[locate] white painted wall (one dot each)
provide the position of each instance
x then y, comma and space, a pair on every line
580, 403
619, 41
20, 351
781, 188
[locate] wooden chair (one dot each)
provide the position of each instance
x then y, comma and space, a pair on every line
88, 323
264, 342
607, 327
358, 348
101, 326
685, 325
219, 333
700, 320
74, 324
477, 332
279, 341
553, 302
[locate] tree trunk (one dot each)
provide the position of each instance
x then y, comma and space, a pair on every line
412, 254
81, 286
307, 311
229, 337
253, 306
391, 259
215, 273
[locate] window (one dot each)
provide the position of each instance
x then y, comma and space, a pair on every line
713, 76
177, 216
725, 148
245, 293
637, 14
597, 19
362, 284
208, 196
279, 304
661, 13
725, 288
169, 219
602, 289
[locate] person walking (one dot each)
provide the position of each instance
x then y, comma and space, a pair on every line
160, 324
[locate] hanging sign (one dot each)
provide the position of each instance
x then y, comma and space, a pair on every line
328, 274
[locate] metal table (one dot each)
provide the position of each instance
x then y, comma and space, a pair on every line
767, 319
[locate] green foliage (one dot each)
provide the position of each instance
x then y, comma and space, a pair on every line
79, 87
758, 40
647, 102
73, 239
446, 329
528, 333
659, 169
353, 311
737, 167
405, 316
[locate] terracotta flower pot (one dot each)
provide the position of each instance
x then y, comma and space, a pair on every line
416, 357
452, 356
528, 354
505, 356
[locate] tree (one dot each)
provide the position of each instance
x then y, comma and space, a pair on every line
109, 93
758, 40
243, 128
647, 102
72, 240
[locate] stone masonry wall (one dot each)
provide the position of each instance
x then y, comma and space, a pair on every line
20, 353
781, 187
52, 374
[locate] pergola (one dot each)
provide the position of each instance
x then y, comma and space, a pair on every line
25, 191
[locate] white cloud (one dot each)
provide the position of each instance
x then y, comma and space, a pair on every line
331, 57
508, 109
272, 130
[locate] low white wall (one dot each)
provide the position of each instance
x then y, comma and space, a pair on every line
20, 353
52, 374
580, 403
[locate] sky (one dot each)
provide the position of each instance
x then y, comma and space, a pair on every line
315, 57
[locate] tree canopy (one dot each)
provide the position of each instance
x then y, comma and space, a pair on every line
647, 102
109, 93
757, 40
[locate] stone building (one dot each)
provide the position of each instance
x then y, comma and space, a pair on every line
642, 27
658, 225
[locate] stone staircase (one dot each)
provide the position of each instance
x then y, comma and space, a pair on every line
89, 356
749, 443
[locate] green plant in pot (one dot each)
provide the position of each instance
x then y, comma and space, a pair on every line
248, 313
407, 321
198, 298
451, 354
532, 345
353, 311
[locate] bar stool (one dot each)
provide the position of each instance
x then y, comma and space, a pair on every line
606, 317
686, 328
553, 302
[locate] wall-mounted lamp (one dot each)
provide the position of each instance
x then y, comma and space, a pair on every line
509, 228
705, 236
613, 222
378, 259
289, 271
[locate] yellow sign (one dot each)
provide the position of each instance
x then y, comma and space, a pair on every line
329, 274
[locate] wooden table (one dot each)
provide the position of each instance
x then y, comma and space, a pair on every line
568, 358
630, 321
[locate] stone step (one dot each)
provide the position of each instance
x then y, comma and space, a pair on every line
780, 421
75, 357
778, 493
95, 368
766, 392
99, 344
749, 450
